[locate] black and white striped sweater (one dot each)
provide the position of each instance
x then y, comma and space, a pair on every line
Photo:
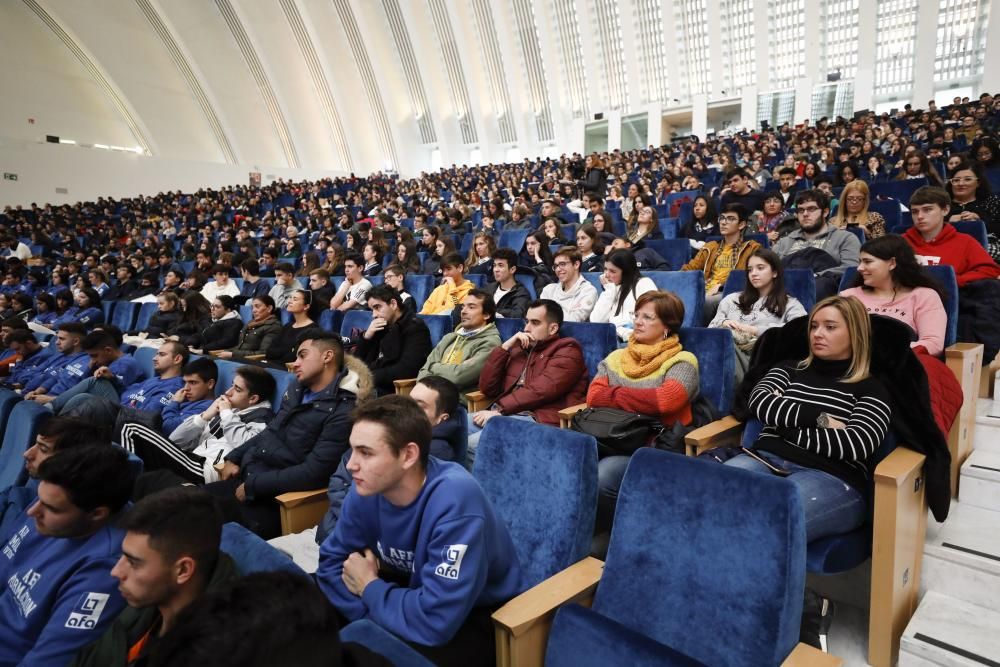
788, 401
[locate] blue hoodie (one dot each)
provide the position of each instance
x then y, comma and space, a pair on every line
175, 413
32, 367
53, 361
152, 395
126, 371
454, 550
56, 594
66, 373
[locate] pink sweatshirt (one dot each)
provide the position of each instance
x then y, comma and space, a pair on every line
921, 309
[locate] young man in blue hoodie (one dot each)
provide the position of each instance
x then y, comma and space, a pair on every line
56, 589
418, 548
101, 402
108, 363
68, 367
33, 358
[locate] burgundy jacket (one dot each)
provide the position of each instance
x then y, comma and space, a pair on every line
556, 379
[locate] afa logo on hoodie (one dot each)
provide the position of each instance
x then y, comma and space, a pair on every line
87, 611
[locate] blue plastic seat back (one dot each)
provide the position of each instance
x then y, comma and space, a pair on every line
716, 363
597, 341
542, 482
699, 540
439, 325
146, 312
689, 286
22, 425
144, 356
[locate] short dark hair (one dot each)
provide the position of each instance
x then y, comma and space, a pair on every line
739, 209
179, 521
385, 293
355, 258
259, 381
251, 266
97, 340
203, 367
787, 171
452, 260
284, 267
112, 331
814, 195
447, 393
14, 323
489, 305
506, 254
402, 420
74, 328
92, 476
738, 171
179, 348
306, 637
324, 339
220, 268
66, 432
21, 336
553, 311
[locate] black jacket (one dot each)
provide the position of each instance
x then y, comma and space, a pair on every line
302, 445
161, 323
514, 303
219, 335
895, 365
397, 352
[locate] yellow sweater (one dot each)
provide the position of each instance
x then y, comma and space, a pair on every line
445, 297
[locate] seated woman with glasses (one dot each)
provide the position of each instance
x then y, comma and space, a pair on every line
224, 329
972, 199
653, 375
853, 211
717, 258
915, 164
823, 417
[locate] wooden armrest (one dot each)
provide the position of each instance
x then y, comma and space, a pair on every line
566, 414
301, 510
290, 367
476, 401
522, 625
255, 357
899, 529
725, 431
213, 353
403, 387
965, 360
804, 655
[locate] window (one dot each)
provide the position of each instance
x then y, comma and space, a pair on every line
896, 27
961, 39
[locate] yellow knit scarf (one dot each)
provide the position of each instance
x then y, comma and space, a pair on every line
640, 359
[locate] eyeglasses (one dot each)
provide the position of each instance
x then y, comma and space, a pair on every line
563, 265
644, 317
729, 218
854, 199
963, 179
808, 210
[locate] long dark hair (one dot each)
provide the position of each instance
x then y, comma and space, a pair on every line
777, 299
710, 213
196, 308
624, 260
983, 189
907, 273
544, 252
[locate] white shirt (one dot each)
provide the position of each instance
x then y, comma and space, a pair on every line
607, 303
576, 302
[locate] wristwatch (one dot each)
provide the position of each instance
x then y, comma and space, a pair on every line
823, 421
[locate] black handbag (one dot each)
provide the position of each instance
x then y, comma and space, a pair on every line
618, 433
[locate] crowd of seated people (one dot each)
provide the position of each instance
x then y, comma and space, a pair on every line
477, 245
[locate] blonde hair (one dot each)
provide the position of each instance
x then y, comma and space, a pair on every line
859, 328
840, 219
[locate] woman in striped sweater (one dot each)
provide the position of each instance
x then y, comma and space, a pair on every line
823, 418
653, 376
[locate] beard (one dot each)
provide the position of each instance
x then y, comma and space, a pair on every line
813, 228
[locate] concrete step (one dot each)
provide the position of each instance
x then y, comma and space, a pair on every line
980, 480
948, 632
962, 556
986, 436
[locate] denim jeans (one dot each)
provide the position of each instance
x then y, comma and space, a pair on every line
91, 386
831, 505
475, 432
610, 472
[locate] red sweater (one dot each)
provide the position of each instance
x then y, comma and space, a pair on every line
957, 250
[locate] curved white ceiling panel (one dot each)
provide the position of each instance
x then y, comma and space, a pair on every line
46, 88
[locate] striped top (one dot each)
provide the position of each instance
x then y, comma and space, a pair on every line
788, 402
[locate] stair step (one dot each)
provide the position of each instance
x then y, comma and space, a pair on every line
980, 483
962, 556
986, 436
950, 633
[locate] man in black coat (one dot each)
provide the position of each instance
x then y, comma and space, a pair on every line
396, 343
302, 445
512, 298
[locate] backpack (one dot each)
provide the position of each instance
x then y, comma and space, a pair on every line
671, 439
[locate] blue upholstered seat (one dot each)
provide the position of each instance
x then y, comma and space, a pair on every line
689, 286
329, 320
107, 307
440, 326
124, 315
19, 434
477, 279
888, 209
508, 326
800, 283
146, 312
144, 356
945, 277
528, 281
513, 239
383, 642
974, 228
419, 287
355, 319
677, 252
597, 341
716, 363
227, 371
8, 398
692, 577
252, 554
899, 190
283, 380
542, 482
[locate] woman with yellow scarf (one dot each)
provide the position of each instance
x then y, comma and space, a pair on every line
652, 375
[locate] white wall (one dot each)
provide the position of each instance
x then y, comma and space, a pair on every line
88, 173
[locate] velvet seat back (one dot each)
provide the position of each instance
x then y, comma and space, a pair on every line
597, 341
542, 482
706, 559
689, 286
716, 364
800, 283
22, 425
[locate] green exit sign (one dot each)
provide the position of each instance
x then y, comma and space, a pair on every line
7, 176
